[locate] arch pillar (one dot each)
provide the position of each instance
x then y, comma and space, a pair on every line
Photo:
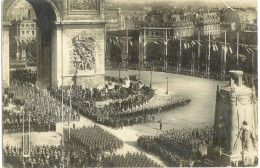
57, 56
5, 55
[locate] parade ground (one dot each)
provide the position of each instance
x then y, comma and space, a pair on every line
198, 114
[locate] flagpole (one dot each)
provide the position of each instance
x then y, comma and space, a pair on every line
221, 73
198, 50
23, 131
237, 47
144, 48
225, 52
17, 57
206, 64
209, 57
62, 117
191, 63
166, 50
127, 41
139, 53
70, 112
29, 131
180, 54
177, 61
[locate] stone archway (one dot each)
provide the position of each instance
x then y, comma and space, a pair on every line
47, 15
61, 27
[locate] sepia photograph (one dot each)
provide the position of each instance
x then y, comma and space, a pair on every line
137, 83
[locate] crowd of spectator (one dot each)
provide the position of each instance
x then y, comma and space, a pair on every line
181, 71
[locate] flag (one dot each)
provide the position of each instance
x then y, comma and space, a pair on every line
213, 47
155, 42
222, 47
185, 45
247, 49
250, 50
216, 47
226, 49
117, 41
230, 49
193, 42
113, 40
131, 43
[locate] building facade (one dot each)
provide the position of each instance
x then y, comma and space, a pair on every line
208, 23
28, 28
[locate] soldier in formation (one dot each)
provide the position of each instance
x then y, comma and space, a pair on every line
177, 147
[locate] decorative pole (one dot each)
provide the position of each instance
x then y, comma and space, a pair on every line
29, 131
144, 55
151, 71
222, 65
127, 41
177, 62
209, 58
167, 86
166, 50
180, 54
237, 47
198, 50
191, 66
206, 64
139, 53
225, 56
17, 50
23, 131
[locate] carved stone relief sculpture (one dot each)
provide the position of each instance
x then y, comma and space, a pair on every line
83, 53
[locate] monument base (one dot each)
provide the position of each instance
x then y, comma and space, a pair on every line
222, 158
90, 81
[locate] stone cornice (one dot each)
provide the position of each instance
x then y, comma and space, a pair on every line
81, 23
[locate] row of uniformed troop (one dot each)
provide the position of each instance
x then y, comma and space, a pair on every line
92, 139
128, 160
13, 122
40, 157
24, 75
43, 109
121, 113
178, 147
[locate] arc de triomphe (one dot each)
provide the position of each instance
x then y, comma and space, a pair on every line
70, 42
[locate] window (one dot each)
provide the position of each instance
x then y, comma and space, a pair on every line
32, 25
22, 32
32, 32
27, 32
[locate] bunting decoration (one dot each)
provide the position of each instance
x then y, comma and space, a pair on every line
24, 40
230, 49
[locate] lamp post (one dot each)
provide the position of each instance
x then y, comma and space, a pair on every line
167, 86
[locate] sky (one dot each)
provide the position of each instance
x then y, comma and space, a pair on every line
229, 2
